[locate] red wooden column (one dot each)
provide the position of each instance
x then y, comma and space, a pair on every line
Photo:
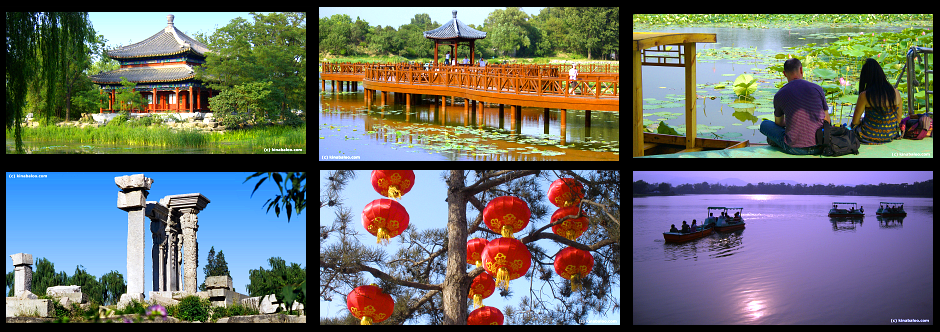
198, 92
155, 100
471, 52
190, 98
176, 107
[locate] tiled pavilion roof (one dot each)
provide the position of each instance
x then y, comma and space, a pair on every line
454, 29
168, 41
169, 73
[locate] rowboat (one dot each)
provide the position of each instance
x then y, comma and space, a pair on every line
897, 212
682, 237
725, 222
835, 212
654, 144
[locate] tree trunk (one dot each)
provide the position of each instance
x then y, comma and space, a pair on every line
455, 284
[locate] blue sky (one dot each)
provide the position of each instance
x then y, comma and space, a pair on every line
398, 16
427, 209
128, 28
72, 219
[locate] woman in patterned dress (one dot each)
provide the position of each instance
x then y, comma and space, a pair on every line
881, 104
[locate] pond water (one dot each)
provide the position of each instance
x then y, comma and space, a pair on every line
791, 265
350, 130
737, 51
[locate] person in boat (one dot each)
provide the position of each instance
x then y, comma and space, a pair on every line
862, 210
673, 229
799, 111
694, 226
685, 227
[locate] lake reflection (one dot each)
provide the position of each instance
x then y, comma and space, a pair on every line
791, 265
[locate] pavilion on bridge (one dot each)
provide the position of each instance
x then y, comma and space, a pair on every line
452, 34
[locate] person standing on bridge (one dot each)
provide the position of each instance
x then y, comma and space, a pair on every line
573, 75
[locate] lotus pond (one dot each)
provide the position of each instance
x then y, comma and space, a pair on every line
352, 130
738, 76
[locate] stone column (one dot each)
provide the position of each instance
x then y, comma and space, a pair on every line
189, 205
172, 249
157, 214
133, 199
23, 273
191, 248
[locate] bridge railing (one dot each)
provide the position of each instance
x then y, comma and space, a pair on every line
524, 80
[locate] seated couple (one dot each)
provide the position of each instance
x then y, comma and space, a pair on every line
800, 109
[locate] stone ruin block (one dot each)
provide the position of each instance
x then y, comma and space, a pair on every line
132, 200
22, 259
219, 282
25, 307
135, 181
67, 294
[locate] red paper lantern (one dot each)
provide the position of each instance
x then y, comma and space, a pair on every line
385, 219
482, 287
570, 229
475, 251
506, 258
565, 192
506, 215
573, 264
485, 316
369, 304
393, 184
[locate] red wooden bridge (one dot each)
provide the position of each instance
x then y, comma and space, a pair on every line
597, 86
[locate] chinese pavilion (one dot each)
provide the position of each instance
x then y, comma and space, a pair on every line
162, 67
452, 34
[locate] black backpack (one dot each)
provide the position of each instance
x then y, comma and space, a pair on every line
836, 141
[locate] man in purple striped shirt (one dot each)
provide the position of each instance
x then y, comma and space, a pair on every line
799, 111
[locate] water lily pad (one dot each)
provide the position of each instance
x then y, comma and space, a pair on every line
742, 105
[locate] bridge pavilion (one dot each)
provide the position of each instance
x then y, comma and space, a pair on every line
453, 33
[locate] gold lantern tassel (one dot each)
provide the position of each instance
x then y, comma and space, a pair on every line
382, 237
477, 300
575, 282
366, 320
507, 231
394, 192
502, 278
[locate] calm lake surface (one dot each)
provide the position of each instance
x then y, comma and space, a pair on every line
791, 265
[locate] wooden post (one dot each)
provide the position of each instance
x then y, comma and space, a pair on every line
637, 104
690, 98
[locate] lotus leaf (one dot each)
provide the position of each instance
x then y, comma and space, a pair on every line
825, 73
742, 105
745, 85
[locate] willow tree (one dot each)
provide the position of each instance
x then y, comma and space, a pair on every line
440, 254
